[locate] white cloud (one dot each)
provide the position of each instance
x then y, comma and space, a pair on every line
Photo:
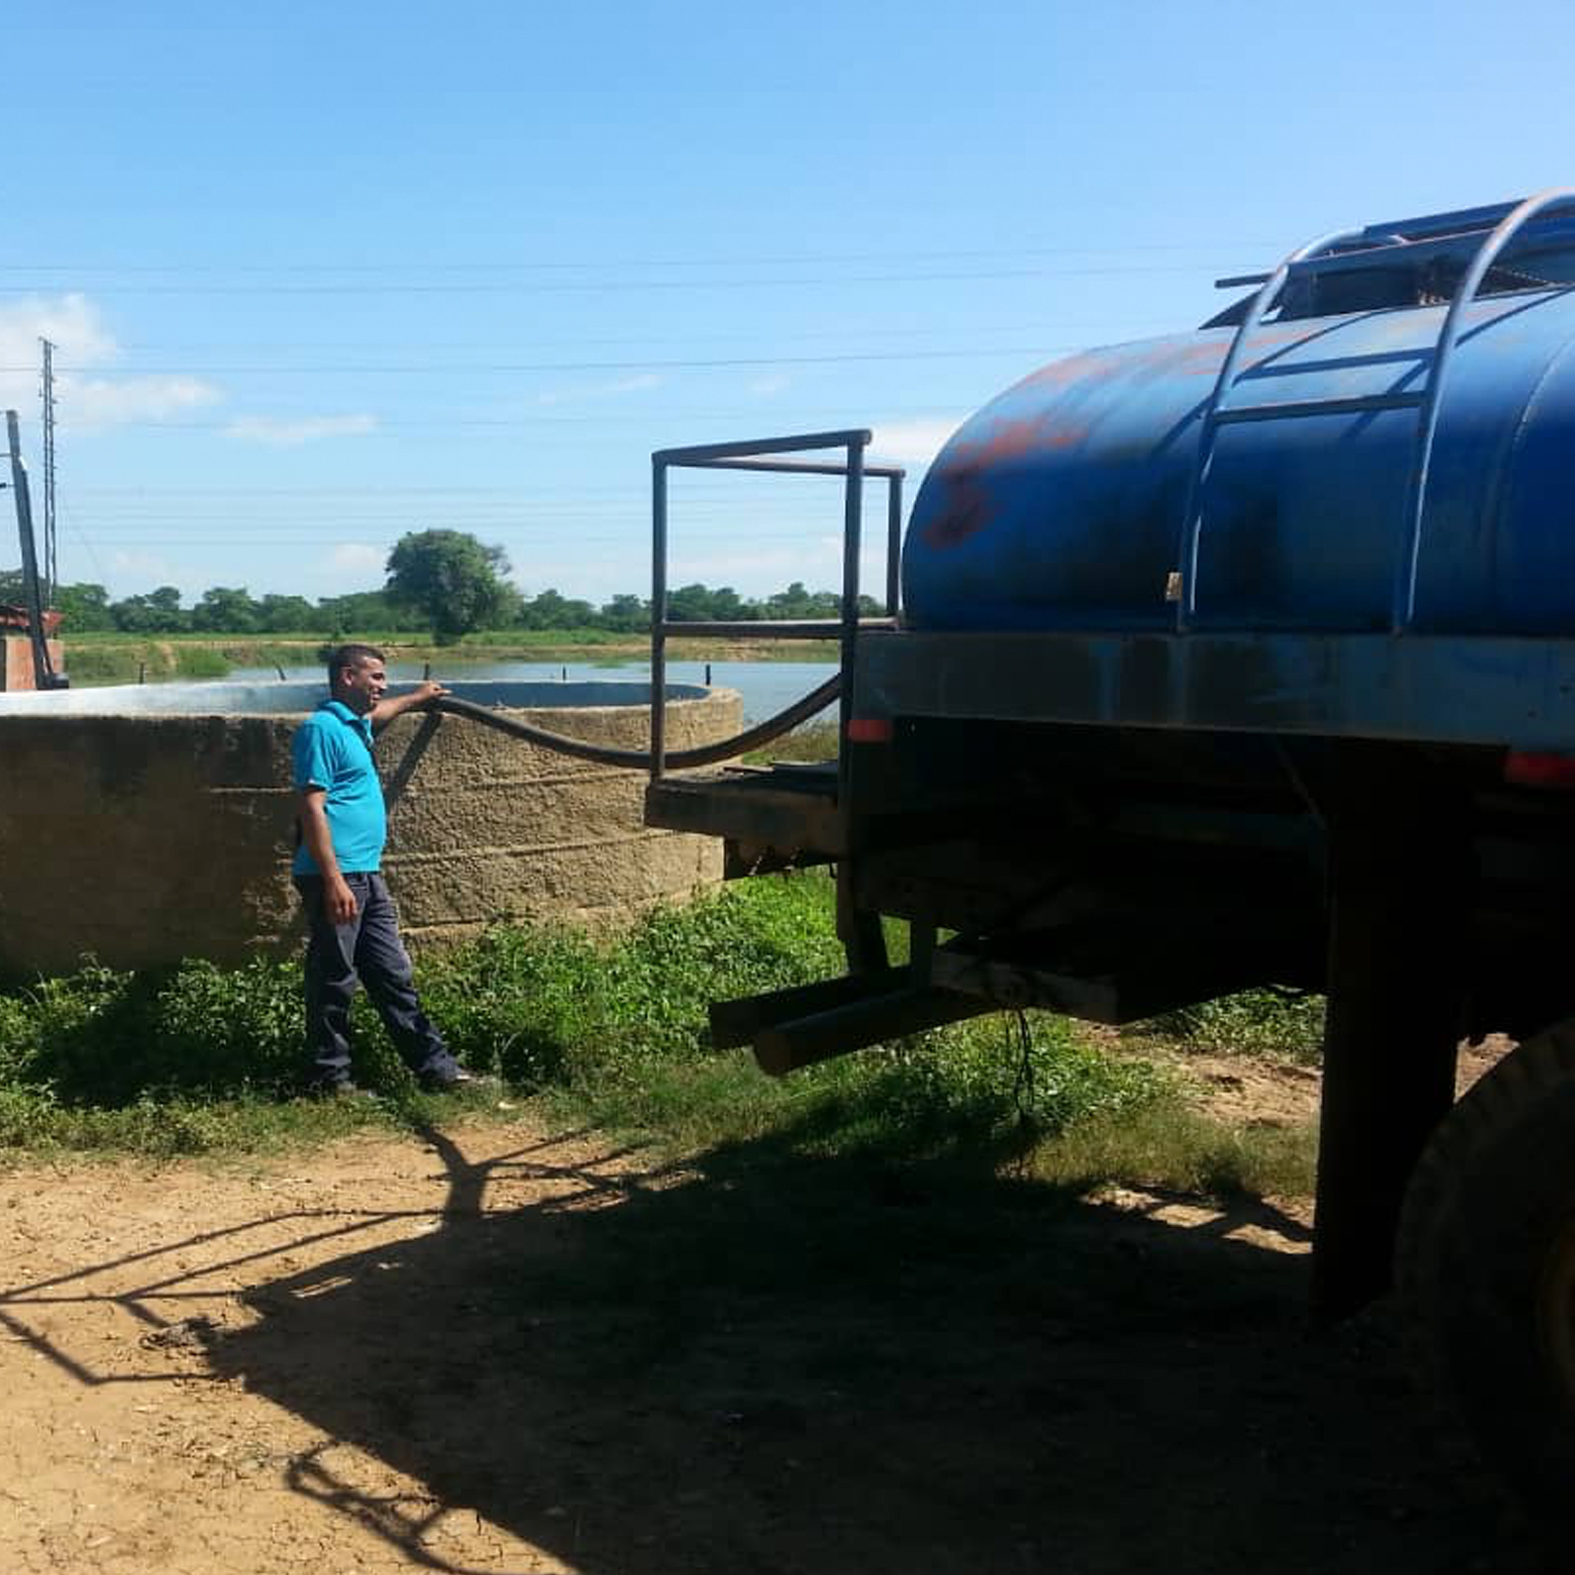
912, 442
99, 402
132, 573
144, 565
765, 387
640, 383
356, 557
273, 432
83, 346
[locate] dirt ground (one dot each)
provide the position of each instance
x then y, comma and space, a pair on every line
488, 1350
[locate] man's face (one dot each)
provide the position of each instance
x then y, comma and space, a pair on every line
361, 686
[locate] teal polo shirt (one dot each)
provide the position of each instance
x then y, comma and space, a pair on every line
333, 751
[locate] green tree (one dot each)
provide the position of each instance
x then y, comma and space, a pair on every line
226, 609
455, 581
286, 614
365, 612
83, 607
626, 614
797, 602
550, 610
159, 612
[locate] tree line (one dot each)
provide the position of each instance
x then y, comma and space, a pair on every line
445, 583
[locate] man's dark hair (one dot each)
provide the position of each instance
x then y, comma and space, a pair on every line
350, 656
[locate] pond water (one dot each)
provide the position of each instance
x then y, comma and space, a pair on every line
765, 687
269, 696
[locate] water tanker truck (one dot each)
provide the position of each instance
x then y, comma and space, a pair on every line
1242, 657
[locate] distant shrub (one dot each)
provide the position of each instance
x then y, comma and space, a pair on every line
91, 664
200, 661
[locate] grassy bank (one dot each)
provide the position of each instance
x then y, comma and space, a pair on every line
202, 1059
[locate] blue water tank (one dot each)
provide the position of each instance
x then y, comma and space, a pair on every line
1080, 499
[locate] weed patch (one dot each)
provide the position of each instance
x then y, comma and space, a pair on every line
1256, 1022
613, 1032
814, 741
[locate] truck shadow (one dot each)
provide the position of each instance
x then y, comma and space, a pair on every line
768, 1361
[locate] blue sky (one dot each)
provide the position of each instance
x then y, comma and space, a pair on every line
329, 274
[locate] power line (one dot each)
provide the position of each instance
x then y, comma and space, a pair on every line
630, 286
863, 330
472, 368
1212, 248
497, 423
381, 489
316, 538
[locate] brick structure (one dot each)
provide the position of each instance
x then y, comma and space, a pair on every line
17, 670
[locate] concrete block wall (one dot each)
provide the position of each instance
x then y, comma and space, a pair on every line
148, 838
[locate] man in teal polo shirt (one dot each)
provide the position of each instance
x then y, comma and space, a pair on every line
353, 928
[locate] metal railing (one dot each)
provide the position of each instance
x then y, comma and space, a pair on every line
1498, 225
1448, 337
768, 455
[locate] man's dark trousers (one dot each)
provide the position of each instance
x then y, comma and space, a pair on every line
368, 948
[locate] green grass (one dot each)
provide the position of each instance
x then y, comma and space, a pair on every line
142, 662
1264, 1022
814, 741
1168, 1144
202, 1059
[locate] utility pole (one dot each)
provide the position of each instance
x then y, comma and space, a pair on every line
51, 575
44, 675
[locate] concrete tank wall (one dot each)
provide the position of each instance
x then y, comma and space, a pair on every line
144, 838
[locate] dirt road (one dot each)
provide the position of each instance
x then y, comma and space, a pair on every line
490, 1351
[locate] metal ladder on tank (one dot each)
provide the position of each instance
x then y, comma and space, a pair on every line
1426, 399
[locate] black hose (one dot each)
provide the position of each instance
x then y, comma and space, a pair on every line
640, 759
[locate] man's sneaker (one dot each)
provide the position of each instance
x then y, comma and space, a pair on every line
344, 1089
460, 1080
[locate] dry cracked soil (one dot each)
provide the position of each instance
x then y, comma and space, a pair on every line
494, 1349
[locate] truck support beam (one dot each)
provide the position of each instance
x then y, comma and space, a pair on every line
1400, 892
860, 931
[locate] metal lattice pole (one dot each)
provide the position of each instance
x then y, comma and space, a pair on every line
51, 575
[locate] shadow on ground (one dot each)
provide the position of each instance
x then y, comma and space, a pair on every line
772, 1363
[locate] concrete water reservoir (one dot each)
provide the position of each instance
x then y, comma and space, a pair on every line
144, 824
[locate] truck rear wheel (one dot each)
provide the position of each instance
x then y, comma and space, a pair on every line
1485, 1266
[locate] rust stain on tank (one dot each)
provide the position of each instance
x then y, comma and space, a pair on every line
1007, 440
993, 442
973, 459
1071, 370
1063, 434
966, 514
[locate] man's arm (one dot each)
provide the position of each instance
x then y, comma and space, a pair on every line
338, 900
387, 709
